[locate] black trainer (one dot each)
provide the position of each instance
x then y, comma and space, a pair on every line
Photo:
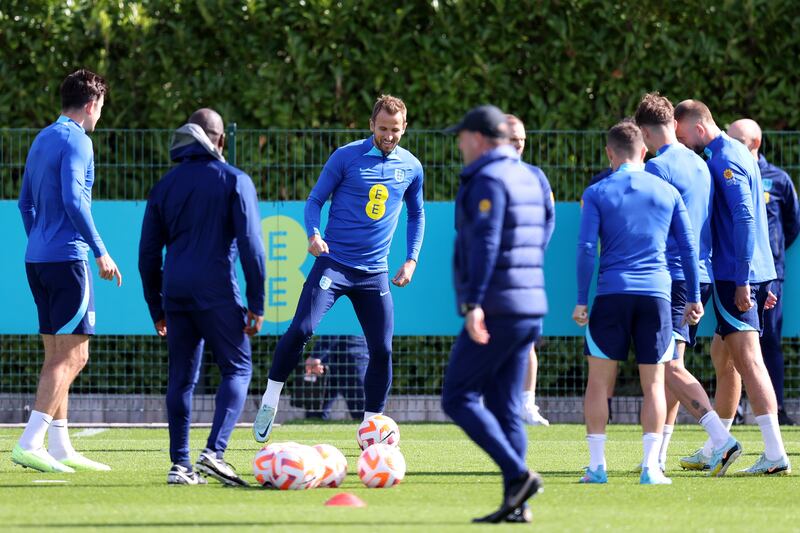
180, 475
209, 465
784, 419
518, 492
520, 515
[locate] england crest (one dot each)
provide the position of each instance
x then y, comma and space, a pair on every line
399, 174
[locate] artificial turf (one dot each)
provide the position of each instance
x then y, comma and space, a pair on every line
449, 481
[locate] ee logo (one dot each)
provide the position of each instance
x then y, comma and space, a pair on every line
376, 207
285, 254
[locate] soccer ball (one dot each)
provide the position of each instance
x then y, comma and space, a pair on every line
335, 465
378, 429
263, 464
381, 466
295, 468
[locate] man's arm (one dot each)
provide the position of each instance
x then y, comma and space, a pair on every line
25, 203
738, 195
587, 246
790, 214
75, 162
549, 208
415, 228
151, 245
681, 230
330, 177
485, 209
247, 228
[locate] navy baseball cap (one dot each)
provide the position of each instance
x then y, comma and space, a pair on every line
485, 119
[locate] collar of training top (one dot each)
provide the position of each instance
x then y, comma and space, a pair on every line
504, 151
713, 146
63, 119
630, 167
190, 134
663, 149
374, 151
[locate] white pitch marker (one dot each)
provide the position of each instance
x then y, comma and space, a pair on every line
90, 432
49, 481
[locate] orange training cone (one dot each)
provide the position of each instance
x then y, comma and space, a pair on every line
345, 499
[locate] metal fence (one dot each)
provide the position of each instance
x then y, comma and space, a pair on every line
126, 377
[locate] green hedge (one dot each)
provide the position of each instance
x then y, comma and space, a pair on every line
317, 63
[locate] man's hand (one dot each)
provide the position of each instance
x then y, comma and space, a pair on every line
581, 315
475, 324
404, 275
692, 313
108, 269
254, 322
742, 298
314, 367
771, 301
161, 327
316, 246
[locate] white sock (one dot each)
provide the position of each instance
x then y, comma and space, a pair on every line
708, 447
651, 443
771, 433
528, 397
716, 430
273, 393
58, 443
368, 414
597, 450
666, 436
33, 436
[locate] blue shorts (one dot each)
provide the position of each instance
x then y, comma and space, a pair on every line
615, 319
64, 297
729, 318
685, 332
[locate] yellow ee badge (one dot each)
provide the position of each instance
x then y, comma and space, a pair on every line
484, 206
766, 197
728, 173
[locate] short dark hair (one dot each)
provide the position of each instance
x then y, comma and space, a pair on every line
654, 110
390, 104
625, 138
694, 110
80, 88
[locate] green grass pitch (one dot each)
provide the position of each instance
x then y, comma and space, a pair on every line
449, 481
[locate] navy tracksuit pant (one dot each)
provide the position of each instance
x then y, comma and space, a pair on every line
495, 371
222, 328
372, 302
771, 347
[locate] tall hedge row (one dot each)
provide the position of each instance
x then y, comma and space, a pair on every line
318, 63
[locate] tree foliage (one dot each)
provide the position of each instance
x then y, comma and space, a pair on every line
565, 64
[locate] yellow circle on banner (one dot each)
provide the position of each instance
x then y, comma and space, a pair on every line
285, 249
376, 207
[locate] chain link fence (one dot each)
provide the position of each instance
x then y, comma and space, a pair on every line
126, 377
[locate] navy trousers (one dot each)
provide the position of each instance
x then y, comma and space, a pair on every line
222, 329
372, 302
495, 371
771, 346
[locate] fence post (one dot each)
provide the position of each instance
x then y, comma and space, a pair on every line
231, 142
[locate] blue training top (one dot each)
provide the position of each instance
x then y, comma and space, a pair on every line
739, 225
687, 172
633, 212
368, 189
206, 213
549, 202
783, 211
56, 196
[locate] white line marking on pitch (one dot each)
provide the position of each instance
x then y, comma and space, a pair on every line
49, 481
90, 432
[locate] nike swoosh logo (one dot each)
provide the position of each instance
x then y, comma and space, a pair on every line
385, 293
264, 434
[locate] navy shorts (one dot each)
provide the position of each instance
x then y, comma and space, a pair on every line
729, 318
64, 297
616, 319
685, 332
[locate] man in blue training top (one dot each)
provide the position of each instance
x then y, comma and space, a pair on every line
743, 268
499, 282
633, 213
530, 411
367, 181
688, 173
205, 212
55, 203
783, 220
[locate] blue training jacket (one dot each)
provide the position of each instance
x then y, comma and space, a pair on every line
633, 212
739, 225
368, 188
56, 196
783, 212
549, 202
500, 236
206, 213
687, 172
